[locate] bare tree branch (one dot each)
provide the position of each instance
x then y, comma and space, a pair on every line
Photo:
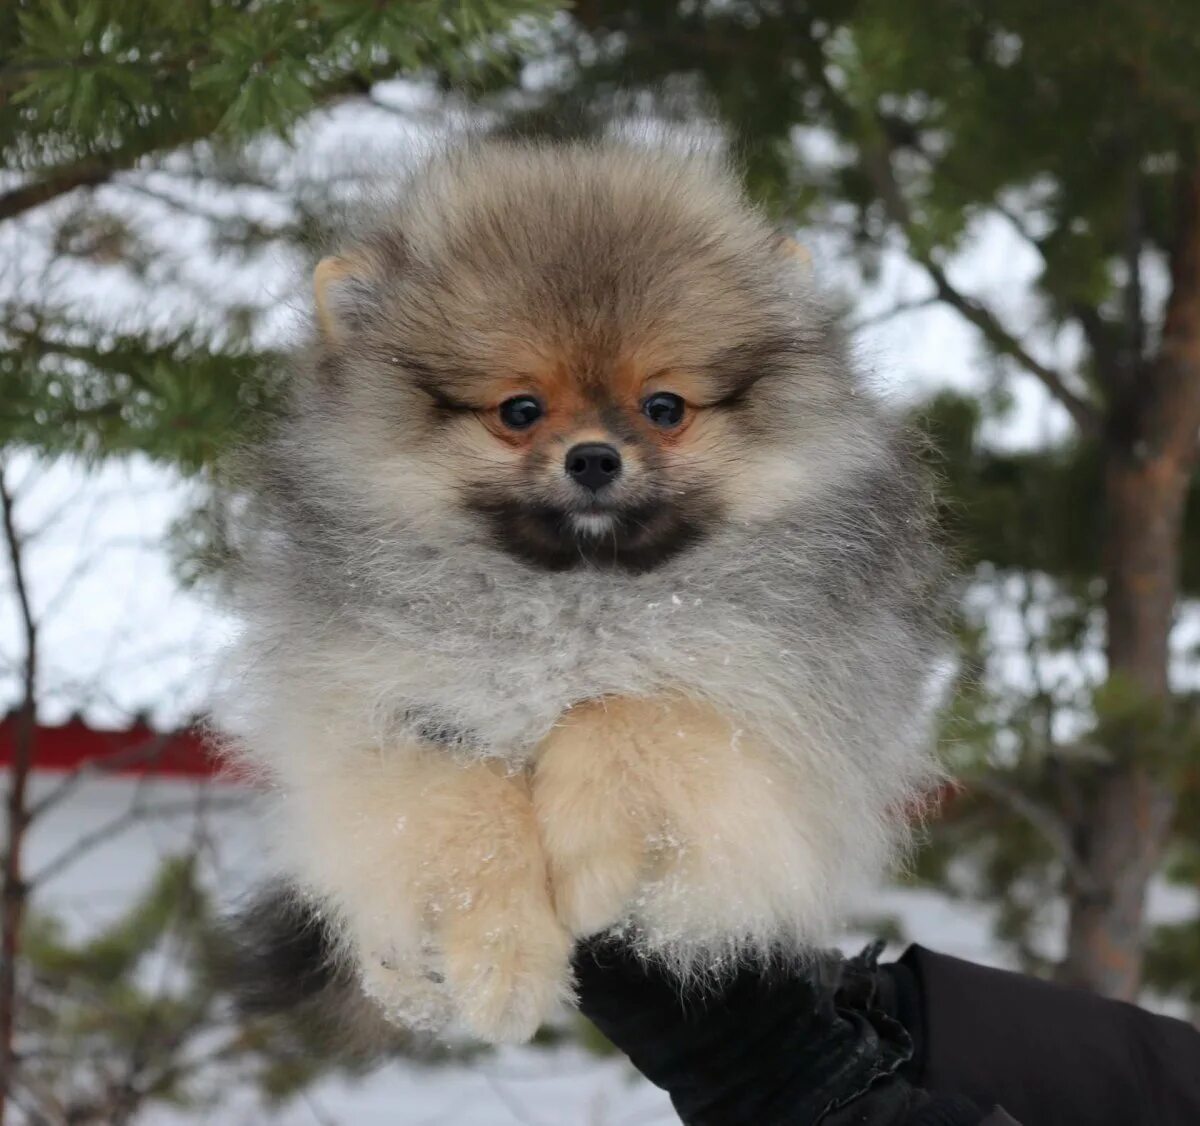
123, 822
100, 766
14, 890
878, 145
1053, 828
40, 1104
194, 209
899, 309
879, 166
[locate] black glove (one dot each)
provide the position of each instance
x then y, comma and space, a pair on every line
765, 1047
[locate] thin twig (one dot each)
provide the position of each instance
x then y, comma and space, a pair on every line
101, 765
14, 890
114, 826
899, 309
1053, 828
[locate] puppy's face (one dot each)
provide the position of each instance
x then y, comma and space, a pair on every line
609, 460
588, 386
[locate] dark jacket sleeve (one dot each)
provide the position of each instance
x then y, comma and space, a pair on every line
1050, 1055
813, 1044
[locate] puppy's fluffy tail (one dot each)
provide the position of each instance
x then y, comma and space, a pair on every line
282, 958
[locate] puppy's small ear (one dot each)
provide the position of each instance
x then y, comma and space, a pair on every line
344, 288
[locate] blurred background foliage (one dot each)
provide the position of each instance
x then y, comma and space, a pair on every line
879, 126
141, 1014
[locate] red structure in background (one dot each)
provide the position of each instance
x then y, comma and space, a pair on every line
138, 749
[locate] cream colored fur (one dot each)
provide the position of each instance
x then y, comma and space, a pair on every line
437, 869
663, 813
652, 812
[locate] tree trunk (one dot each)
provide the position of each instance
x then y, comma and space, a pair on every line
1125, 821
1123, 827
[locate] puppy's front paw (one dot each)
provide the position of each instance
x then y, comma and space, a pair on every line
496, 961
594, 861
592, 819
437, 870
591, 892
408, 990
504, 952
507, 966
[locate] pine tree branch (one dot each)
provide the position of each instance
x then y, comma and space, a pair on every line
1116, 348
100, 170
1096, 331
14, 75
86, 174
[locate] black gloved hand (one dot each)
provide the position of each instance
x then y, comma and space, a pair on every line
764, 1048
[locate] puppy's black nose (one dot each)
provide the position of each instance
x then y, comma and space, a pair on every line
593, 465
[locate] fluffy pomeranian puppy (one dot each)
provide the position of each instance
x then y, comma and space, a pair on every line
586, 588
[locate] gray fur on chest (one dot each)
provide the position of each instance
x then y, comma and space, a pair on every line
497, 662
814, 627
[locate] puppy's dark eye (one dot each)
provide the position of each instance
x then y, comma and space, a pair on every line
663, 409
520, 412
